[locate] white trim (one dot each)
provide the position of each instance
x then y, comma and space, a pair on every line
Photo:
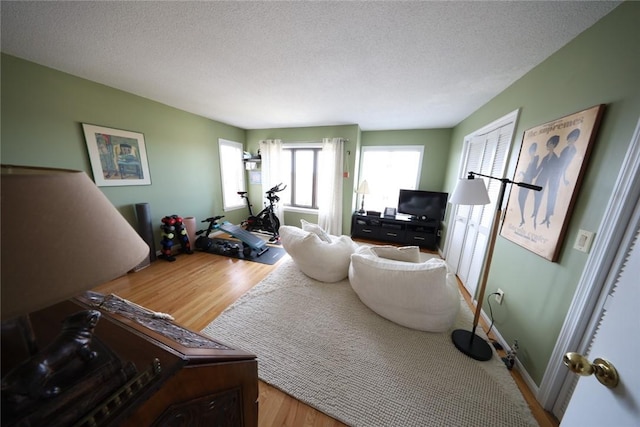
289, 208
306, 144
578, 328
531, 384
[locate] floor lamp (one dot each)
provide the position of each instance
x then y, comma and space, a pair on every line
472, 191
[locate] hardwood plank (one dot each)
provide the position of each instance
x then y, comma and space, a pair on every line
196, 288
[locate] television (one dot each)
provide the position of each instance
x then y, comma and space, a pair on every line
423, 205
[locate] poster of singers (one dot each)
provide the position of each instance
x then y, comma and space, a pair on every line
554, 156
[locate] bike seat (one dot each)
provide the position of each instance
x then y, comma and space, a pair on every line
242, 193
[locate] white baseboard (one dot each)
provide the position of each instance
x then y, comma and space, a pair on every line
523, 372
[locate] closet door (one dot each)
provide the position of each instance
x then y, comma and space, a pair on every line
486, 152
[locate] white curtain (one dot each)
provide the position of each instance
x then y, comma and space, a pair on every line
331, 163
271, 152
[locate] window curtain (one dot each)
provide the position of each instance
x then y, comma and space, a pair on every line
271, 153
331, 164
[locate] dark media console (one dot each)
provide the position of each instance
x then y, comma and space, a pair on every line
408, 232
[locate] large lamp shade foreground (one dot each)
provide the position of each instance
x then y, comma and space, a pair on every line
60, 237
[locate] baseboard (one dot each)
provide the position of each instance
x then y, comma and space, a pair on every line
518, 366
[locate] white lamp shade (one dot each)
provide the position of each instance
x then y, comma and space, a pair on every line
470, 192
60, 237
363, 188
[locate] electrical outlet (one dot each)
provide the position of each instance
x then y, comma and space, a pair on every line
499, 296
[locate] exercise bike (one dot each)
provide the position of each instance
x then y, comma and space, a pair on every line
265, 221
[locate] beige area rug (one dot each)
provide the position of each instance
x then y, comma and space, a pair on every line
320, 344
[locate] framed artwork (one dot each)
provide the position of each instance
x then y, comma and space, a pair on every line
118, 157
554, 156
255, 177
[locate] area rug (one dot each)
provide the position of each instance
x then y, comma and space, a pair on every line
320, 344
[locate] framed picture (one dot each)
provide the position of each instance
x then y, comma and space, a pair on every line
118, 157
255, 177
554, 156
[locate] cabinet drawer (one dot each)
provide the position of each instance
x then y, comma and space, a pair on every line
391, 235
366, 231
427, 240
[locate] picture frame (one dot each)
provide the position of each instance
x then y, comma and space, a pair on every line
553, 155
255, 177
118, 157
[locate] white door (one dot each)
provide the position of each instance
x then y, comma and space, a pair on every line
486, 152
617, 341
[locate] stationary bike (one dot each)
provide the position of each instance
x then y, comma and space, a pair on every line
266, 220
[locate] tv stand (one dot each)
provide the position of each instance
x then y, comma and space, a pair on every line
408, 232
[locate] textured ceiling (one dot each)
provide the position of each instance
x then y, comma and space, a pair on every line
382, 65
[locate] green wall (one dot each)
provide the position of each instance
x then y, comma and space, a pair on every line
601, 66
42, 112
435, 141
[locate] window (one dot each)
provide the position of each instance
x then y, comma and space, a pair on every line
231, 174
300, 163
387, 169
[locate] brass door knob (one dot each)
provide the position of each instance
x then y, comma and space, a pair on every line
604, 371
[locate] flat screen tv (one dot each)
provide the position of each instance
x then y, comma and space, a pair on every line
423, 205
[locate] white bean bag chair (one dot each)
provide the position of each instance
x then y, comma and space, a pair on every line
318, 259
418, 295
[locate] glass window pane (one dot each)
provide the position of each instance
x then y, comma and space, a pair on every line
387, 170
304, 164
232, 173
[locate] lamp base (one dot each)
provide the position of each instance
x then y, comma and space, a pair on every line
471, 345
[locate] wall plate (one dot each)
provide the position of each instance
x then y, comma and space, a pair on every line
583, 241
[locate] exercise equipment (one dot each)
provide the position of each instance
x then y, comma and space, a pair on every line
250, 243
173, 227
266, 220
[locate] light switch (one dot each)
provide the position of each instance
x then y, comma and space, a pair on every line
583, 241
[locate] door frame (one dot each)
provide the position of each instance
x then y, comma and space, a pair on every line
585, 310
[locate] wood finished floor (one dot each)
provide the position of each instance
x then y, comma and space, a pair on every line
196, 288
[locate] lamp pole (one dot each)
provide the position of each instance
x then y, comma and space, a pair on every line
467, 341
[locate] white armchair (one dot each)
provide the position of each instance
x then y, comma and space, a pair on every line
419, 295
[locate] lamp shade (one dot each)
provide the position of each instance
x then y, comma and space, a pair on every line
60, 237
470, 192
363, 188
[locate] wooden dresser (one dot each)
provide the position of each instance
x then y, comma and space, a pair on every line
150, 372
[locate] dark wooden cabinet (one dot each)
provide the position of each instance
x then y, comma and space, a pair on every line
396, 230
158, 374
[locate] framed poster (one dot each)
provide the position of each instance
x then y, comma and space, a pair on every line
554, 156
118, 157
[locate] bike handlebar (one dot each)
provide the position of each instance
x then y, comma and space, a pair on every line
276, 188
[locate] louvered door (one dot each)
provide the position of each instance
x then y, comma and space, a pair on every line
486, 152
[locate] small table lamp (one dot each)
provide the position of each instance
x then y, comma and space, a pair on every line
60, 236
363, 189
